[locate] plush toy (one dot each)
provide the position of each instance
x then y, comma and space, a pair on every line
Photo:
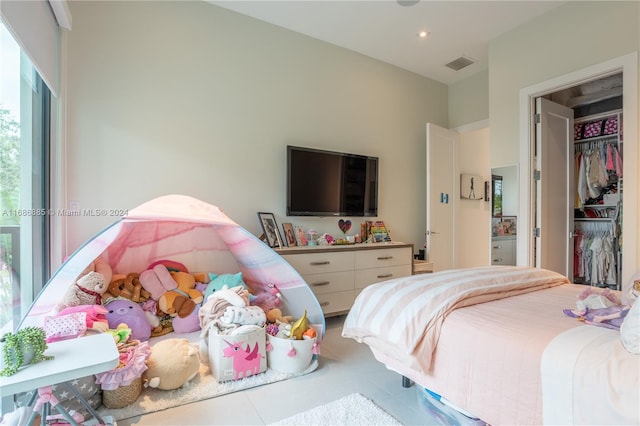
187, 324
182, 300
275, 316
218, 282
157, 281
89, 287
122, 311
127, 287
172, 364
121, 333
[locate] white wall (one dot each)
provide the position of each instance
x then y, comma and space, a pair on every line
469, 100
473, 224
185, 97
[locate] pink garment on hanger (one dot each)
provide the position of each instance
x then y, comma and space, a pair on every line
609, 159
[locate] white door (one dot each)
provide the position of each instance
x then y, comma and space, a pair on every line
441, 151
554, 193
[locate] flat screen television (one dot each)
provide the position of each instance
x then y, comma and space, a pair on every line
327, 183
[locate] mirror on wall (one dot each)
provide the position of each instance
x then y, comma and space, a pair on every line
496, 195
504, 201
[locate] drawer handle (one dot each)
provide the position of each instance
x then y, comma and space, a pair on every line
497, 247
324, 262
385, 276
498, 260
321, 283
325, 304
385, 257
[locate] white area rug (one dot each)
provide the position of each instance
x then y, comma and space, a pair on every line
354, 409
203, 386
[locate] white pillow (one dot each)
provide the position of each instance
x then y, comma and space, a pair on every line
630, 329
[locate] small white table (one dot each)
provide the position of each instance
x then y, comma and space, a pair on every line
73, 359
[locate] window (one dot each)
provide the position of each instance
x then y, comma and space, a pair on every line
24, 181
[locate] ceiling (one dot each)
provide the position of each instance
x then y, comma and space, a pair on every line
387, 29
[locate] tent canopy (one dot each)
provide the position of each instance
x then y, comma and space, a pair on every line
189, 231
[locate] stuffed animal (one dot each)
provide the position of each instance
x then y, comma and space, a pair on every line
172, 364
122, 311
182, 300
275, 316
128, 287
157, 281
218, 282
187, 324
89, 287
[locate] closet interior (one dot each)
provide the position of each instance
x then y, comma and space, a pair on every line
598, 148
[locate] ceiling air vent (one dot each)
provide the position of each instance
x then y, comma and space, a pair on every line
461, 62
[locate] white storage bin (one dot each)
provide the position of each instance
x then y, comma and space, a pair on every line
289, 355
236, 356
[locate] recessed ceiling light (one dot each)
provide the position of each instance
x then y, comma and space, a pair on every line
423, 34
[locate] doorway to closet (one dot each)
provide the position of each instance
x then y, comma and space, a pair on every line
579, 140
574, 193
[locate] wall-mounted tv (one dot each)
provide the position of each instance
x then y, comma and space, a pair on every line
327, 183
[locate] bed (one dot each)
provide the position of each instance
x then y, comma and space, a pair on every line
494, 341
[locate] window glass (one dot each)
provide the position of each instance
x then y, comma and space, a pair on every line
24, 140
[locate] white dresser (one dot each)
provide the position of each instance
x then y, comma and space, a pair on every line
337, 274
503, 250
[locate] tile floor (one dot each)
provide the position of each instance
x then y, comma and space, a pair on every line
345, 367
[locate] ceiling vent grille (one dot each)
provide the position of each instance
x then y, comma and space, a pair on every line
461, 62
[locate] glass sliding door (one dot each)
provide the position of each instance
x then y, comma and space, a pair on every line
24, 182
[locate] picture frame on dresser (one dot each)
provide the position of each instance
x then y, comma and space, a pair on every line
289, 235
509, 224
270, 229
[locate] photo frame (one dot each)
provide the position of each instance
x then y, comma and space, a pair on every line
270, 229
289, 235
510, 225
471, 187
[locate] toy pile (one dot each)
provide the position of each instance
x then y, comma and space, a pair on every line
166, 297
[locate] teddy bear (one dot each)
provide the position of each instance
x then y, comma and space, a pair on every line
89, 287
182, 300
172, 364
128, 287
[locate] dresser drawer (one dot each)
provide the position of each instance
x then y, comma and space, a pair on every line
330, 282
316, 263
503, 252
367, 277
336, 302
384, 257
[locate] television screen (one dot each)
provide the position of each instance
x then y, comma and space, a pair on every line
326, 183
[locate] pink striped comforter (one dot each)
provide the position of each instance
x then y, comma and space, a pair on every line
403, 317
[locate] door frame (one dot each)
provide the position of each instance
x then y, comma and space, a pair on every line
628, 64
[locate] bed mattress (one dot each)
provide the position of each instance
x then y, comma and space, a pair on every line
487, 358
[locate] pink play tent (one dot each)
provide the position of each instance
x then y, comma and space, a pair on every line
194, 233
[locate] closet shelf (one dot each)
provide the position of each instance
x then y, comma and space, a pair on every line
604, 138
594, 219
